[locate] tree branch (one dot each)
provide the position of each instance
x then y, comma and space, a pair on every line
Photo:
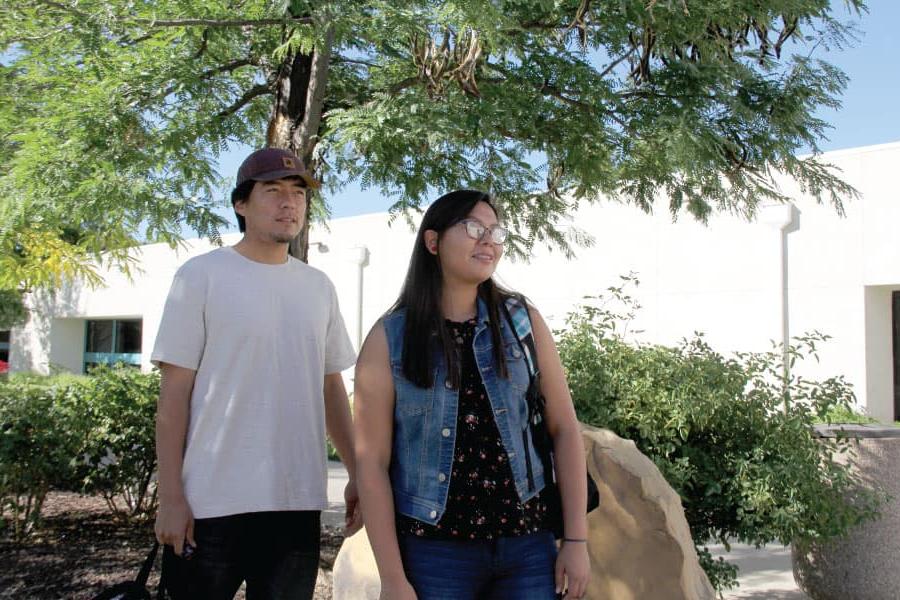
254, 92
37, 38
219, 22
228, 68
306, 134
615, 63
555, 92
127, 42
209, 74
204, 43
547, 89
342, 59
65, 8
201, 22
402, 85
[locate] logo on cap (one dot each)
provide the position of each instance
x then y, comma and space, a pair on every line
288, 162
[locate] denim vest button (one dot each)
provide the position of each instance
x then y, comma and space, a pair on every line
517, 353
445, 432
432, 514
448, 384
442, 477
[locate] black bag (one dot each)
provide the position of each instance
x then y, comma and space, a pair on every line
137, 589
543, 443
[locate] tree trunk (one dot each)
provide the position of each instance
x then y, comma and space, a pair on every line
297, 115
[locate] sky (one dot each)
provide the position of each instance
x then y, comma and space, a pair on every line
870, 111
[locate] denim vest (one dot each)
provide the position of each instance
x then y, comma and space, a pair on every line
425, 419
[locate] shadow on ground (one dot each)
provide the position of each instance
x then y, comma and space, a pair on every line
80, 549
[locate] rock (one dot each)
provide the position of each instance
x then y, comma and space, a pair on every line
639, 540
355, 575
865, 563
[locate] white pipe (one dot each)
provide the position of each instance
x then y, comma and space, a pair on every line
784, 218
360, 257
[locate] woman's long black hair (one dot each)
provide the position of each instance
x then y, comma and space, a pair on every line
421, 297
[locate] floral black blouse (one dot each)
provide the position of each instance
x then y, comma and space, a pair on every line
482, 503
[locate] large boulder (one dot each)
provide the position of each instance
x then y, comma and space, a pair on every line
865, 563
639, 540
355, 573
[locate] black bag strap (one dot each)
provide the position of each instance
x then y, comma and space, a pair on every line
144, 573
535, 400
536, 409
146, 568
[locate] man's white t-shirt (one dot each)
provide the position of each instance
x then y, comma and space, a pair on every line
261, 339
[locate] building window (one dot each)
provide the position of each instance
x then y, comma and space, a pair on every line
111, 341
4, 350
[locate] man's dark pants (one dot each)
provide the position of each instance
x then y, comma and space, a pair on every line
276, 553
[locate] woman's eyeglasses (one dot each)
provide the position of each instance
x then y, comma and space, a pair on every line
476, 230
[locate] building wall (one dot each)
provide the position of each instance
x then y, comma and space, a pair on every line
723, 279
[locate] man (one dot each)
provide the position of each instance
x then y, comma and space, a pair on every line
251, 346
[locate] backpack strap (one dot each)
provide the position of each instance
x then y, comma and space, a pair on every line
517, 315
144, 573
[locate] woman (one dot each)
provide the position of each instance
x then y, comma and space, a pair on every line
449, 481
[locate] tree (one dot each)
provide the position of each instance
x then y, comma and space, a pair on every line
112, 112
12, 310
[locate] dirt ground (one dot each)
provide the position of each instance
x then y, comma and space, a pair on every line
80, 549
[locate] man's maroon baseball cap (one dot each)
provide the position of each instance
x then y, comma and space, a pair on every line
270, 164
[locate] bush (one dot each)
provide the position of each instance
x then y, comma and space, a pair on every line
36, 446
840, 414
59, 380
731, 435
93, 434
117, 456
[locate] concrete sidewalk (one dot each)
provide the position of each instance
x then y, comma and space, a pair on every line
764, 574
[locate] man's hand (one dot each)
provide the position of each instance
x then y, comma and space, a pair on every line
175, 524
339, 426
352, 514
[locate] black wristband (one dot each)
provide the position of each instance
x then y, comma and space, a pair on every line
575, 540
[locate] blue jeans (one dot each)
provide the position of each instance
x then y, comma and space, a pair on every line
509, 568
276, 553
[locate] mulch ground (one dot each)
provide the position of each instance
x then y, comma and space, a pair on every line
80, 549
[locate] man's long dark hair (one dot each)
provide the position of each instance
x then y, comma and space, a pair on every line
421, 297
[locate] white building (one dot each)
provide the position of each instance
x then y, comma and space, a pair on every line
743, 284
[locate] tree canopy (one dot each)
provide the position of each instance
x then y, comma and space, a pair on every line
113, 112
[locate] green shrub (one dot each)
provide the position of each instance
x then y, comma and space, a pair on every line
36, 447
117, 457
840, 414
58, 380
726, 433
93, 434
